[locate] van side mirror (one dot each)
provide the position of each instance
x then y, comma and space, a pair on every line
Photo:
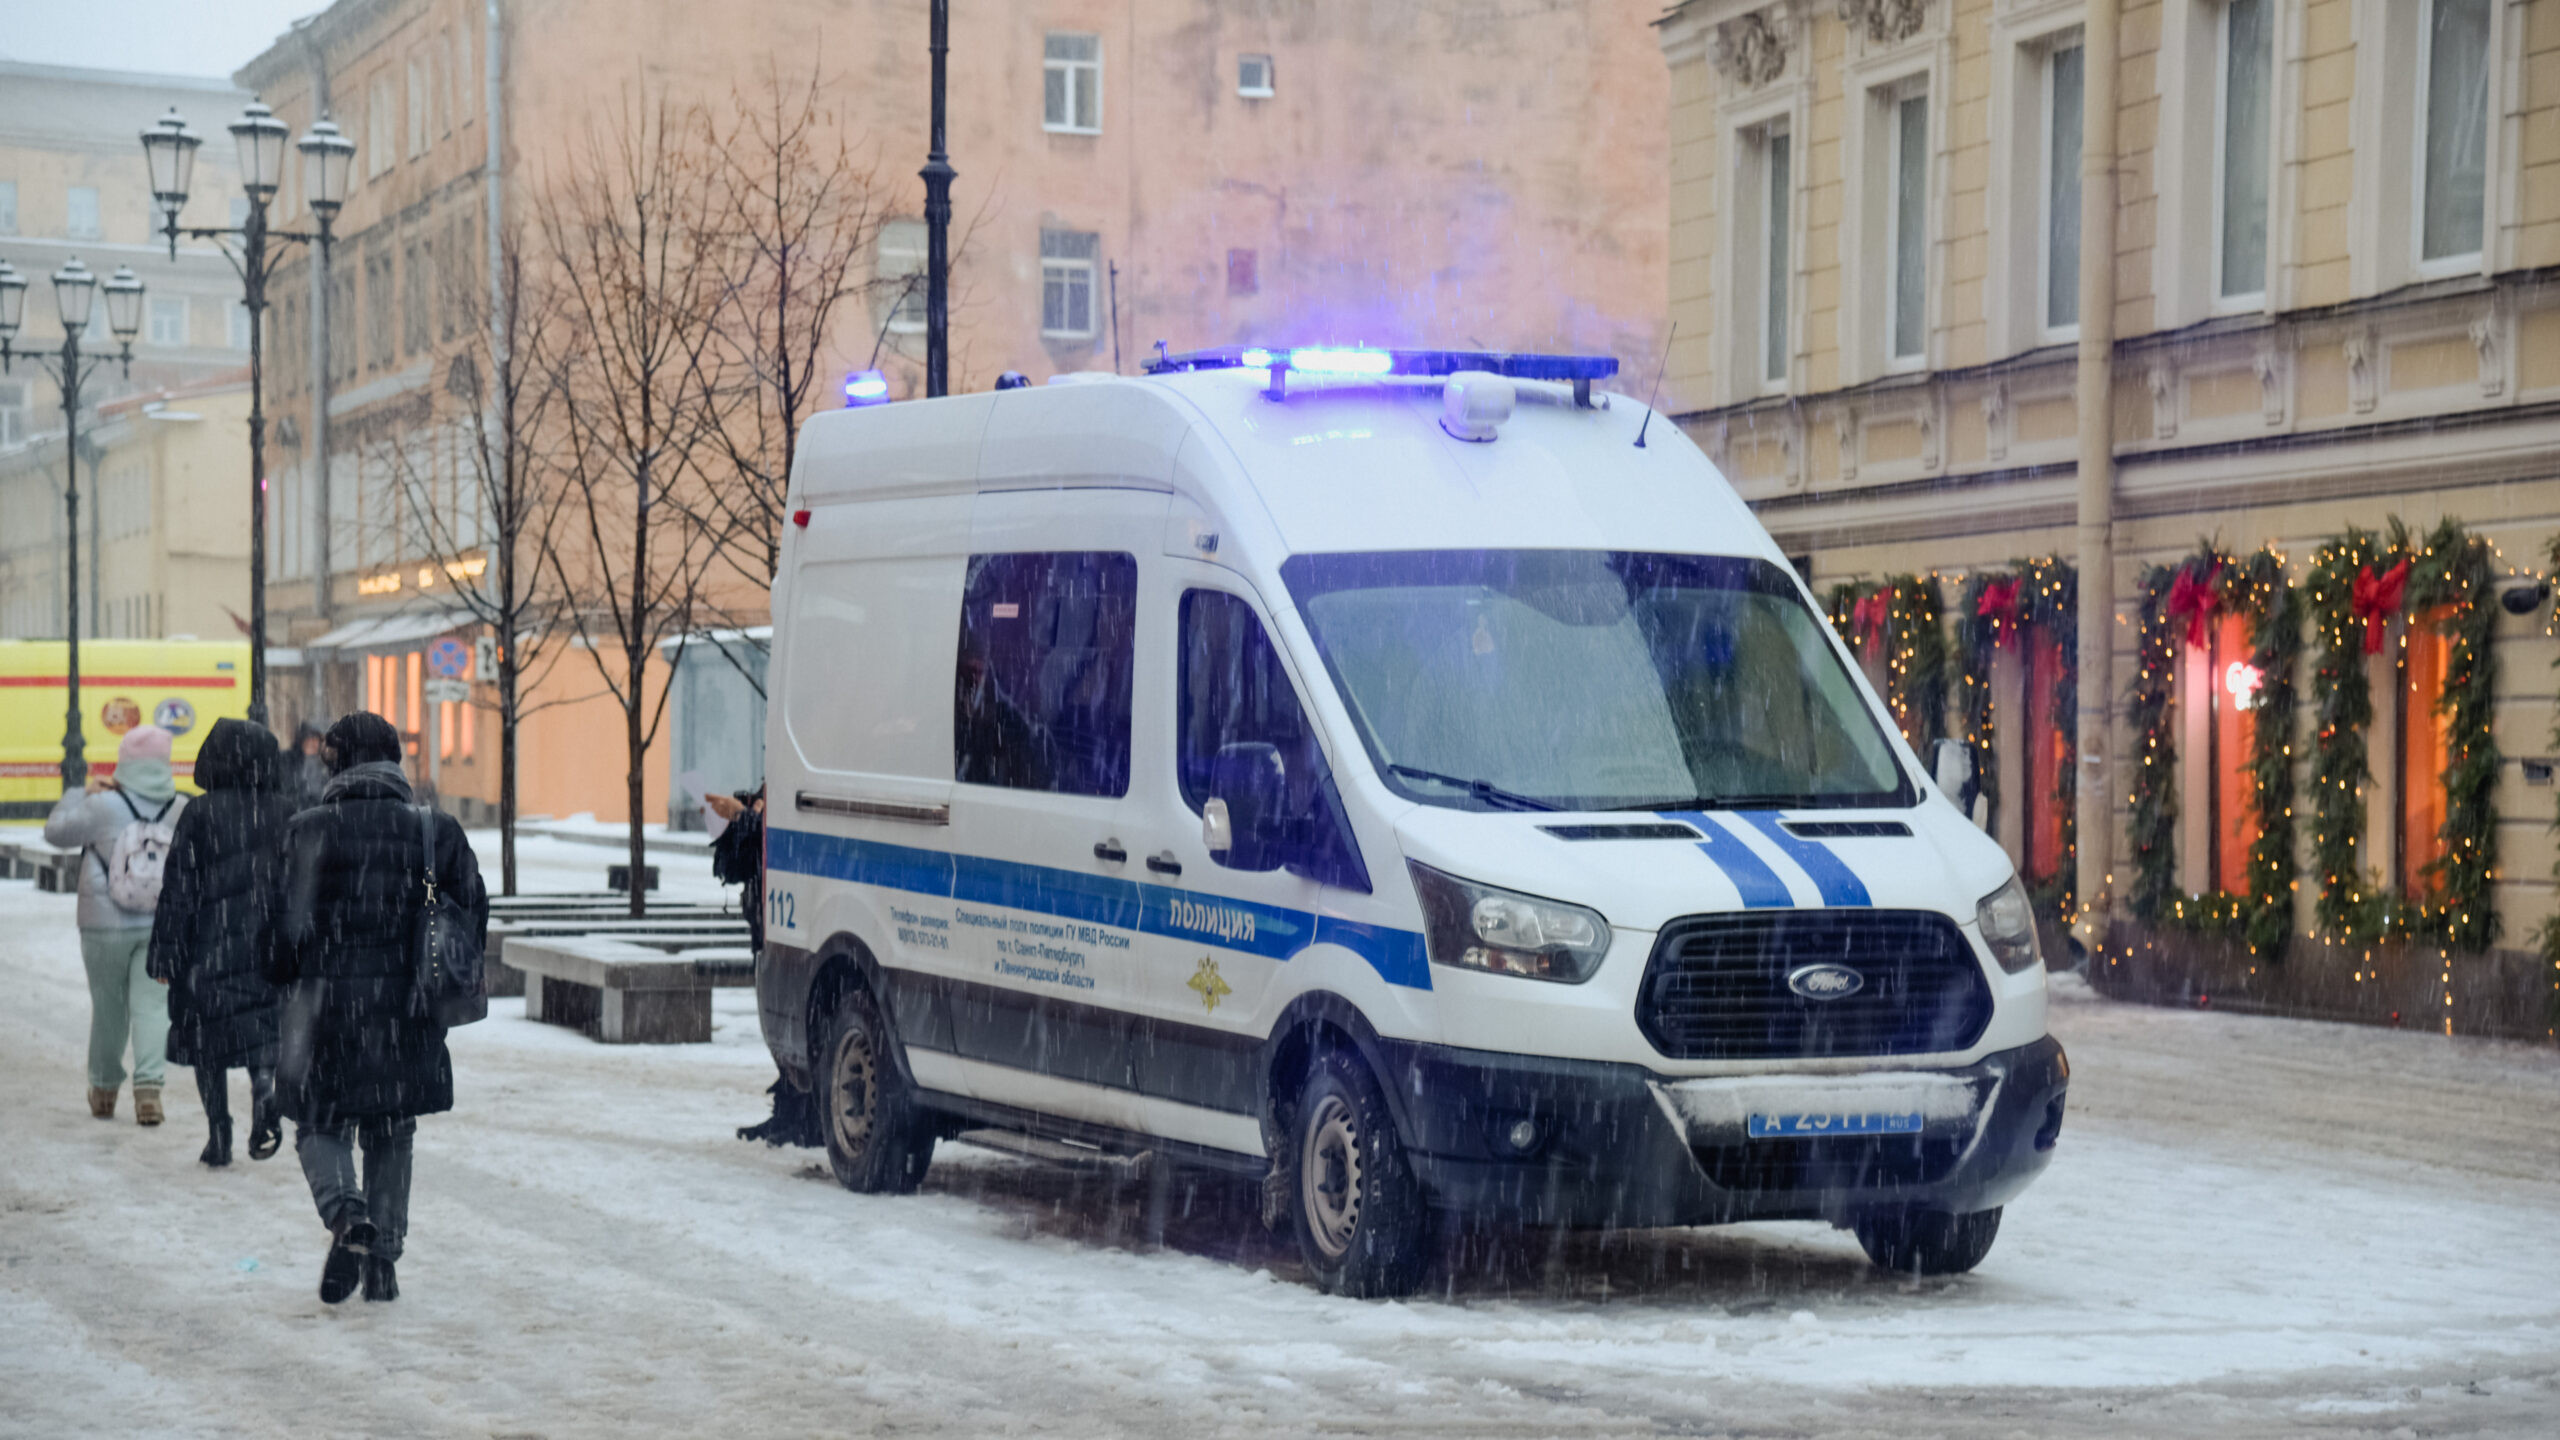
1248, 791
1951, 764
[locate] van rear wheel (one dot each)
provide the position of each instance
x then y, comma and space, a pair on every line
1363, 1223
877, 1140
1927, 1242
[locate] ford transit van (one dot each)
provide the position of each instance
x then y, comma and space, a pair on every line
1409, 778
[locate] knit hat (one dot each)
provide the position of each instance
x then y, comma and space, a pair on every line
361, 738
144, 742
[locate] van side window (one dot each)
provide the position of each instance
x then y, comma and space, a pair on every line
1042, 695
1234, 690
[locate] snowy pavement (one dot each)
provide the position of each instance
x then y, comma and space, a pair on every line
2253, 1227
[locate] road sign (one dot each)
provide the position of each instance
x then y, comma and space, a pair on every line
448, 692
450, 658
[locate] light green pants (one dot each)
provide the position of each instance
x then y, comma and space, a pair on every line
124, 1001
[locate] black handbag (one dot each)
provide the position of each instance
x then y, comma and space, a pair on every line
452, 985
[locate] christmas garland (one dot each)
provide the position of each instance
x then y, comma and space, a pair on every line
1904, 615
1999, 608
2359, 584
2184, 598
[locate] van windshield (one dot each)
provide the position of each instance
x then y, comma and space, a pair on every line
1592, 680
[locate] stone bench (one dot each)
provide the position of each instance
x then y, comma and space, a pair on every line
623, 992
54, 871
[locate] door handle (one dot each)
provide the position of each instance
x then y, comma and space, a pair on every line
1164, 864
1110, 850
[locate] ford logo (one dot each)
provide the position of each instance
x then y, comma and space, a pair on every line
1825, 982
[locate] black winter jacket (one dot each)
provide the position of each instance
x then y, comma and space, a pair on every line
346, 918
209, 938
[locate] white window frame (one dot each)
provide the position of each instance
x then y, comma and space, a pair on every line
897, 262
1774, 231
97, 226
1250, 91
1081, 76
161, 308
381, 146
2042, 302
2223, 303
1896, 215
421, 104
2468, 261
1065, 267
2383, 247
1870, 143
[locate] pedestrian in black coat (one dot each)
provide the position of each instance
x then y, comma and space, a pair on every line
361, 1059
209, 938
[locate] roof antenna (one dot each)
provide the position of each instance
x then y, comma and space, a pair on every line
1657, 385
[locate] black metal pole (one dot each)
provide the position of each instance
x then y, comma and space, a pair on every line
938, 176
75, 746
253, 275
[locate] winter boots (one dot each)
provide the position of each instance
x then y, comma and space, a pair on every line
217, 1148
102, 1103
350, 1247
146, 1105
379, 1281
266, 1130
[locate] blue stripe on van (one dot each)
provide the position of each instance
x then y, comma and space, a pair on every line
1760, 887
1837, 882
1272, 931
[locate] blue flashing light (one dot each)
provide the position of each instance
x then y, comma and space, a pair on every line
1256, 358
1327, 360
865, 387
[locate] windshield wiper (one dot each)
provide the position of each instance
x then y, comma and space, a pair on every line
1490, 794
1726, 802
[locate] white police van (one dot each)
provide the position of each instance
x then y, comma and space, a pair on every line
1404, 776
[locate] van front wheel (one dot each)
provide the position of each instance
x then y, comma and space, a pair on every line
877, 1142
1928, 1242
1363, 1224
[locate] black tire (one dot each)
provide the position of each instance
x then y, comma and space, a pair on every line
878, 1142
1928, 1242
1363, 1222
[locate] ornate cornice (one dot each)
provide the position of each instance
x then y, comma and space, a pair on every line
1750, 50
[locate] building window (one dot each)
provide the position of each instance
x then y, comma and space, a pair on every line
418, 299
1769, 190
2061, 301
1072, 84
378, 302
382, 113
1907, 281
1066, 283
1243, 277
1253, 76
168, 320
1044, 679
2240, 150
900, 270
80, 213
2453, 143
421, 105
8, 207
13, 413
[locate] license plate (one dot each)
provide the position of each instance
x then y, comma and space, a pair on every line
1816, 1125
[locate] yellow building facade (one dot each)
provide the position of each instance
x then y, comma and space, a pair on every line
2334, 231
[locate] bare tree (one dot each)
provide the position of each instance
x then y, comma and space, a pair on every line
489, 524
621, 229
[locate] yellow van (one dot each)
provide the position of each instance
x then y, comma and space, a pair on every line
183, 686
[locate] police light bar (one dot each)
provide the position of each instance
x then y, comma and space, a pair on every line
865, 387
1581, 370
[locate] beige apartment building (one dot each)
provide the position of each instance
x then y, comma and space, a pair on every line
164, 521
2335, 229
1194, 173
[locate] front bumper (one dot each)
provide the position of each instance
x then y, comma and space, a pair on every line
1618, 1146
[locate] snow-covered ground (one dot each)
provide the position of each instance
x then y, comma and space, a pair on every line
2253, 1227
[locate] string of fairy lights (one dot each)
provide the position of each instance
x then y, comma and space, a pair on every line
2361, 591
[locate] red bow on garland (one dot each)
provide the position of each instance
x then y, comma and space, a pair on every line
1999, 605
1869, 616
2195, 594
2377, 598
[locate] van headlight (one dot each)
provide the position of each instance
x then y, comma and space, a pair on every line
1481, 927
2009, 927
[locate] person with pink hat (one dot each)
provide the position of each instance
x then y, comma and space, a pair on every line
123, 825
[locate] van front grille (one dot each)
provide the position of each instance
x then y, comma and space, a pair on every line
1717, 986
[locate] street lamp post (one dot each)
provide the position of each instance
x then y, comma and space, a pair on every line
170, 147
938, 175
74, 289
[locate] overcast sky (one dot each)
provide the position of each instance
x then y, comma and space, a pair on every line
176, 37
